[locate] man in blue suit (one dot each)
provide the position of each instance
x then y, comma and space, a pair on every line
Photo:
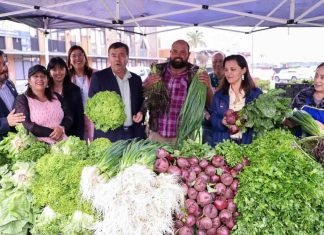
128, 85
8, 93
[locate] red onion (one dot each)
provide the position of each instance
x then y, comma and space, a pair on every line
226, 179
205, 223
220, 188
174, 170
218, 161
200, 184
190, 220
210, 170
210, 211
192, 193
161, 165
225, 215
193, 161
222, 231
183, 163
203, 163
214, 179
185, 231
220, 203
204, 198
161, 153
229, 193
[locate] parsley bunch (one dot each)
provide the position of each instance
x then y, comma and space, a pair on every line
282, 191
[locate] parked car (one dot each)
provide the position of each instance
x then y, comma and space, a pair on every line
290, 75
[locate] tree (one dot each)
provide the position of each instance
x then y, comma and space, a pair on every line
195, 39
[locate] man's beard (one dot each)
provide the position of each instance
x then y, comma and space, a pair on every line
178, 63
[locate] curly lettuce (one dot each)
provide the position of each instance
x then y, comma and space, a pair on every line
106, 110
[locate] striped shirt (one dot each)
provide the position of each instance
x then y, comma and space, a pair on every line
177, 86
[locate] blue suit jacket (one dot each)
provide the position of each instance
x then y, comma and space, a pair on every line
220, 104
105, 80
4, 126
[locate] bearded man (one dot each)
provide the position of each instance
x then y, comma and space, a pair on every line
176, 75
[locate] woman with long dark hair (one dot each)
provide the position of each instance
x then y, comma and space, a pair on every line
235, 91
47, 116
81, 74
60, 82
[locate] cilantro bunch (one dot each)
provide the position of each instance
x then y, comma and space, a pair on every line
106, 110
282, 191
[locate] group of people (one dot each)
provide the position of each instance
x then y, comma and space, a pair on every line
52, 107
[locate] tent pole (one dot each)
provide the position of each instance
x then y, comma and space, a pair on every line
46, 49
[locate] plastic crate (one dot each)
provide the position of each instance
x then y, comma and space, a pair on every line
292, 89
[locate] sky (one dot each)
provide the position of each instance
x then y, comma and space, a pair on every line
276, 46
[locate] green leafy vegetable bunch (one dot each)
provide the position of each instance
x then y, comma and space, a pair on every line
106, 110
282, 191
265, 113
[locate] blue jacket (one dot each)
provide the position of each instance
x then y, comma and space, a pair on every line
4, 126
105, 80
220, 104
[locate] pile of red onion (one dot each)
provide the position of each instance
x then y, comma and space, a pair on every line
210, 188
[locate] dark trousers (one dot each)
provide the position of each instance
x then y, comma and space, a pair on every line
121, 133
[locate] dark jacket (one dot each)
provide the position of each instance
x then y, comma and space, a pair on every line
4, 126
72, 97
21, 106
155, 113
304, 100
105, 80
220, 104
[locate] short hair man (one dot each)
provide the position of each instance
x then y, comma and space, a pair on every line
8, 94
176, 75
128, 85
216, 76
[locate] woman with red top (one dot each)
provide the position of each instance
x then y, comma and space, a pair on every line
47, 117
81, 74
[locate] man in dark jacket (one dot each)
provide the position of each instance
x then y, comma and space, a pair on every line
8, 93
128, 85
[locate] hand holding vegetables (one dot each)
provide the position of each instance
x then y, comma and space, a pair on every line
229, 120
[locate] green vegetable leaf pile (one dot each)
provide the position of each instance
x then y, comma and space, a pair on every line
57, 183
191, 148
98, 148
282, 191
14, 145
265, 113
232, 152
106, 110
16, 201
72, 146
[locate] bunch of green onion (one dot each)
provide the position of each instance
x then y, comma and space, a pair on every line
306, 122
191, 113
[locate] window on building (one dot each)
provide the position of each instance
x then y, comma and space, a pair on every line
75, 37
2, 42
99, 63
16, 42
97, 42
143, 49
56, 41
